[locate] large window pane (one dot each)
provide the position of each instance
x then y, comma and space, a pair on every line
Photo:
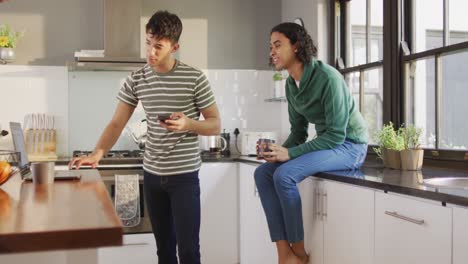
458, 21
352, 79
358, 48
421, 103
373, 101
428, 27
376, 23
357, 52
454, 107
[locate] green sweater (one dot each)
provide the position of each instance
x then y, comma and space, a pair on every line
324, 100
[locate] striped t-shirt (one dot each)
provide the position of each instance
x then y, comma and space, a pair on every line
183, 89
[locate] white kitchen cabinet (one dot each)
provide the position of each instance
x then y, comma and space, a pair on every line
338, 222
219, 223
348, 216
313, 224
460, 235
219, 230
137, 248
255, 243
411, 231
88, 256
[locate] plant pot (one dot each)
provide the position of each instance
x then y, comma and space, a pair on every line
391, 158
412, 159
7, 54
280, 89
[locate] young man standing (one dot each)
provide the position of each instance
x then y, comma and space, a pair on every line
166, 86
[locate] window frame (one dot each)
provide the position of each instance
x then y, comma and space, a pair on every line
397, 31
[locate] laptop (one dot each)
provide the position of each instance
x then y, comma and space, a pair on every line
24, 164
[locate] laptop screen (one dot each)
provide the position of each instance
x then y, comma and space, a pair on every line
18, 142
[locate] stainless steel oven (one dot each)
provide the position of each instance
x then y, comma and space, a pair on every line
123, 162
108, 177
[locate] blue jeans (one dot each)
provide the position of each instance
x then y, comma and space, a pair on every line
173, 204
276, 184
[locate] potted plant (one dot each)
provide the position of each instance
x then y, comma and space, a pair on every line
8, 41
390, 144
280, 84
412, 155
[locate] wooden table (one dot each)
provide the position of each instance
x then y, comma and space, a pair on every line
61, 216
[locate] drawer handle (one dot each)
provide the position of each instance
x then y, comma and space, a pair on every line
136, 244
325, 205
395, 214
318, 203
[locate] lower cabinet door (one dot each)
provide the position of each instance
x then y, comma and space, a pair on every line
137, 248
411, 231
255, 243
348, 218
460, 235
312, 219
219, 230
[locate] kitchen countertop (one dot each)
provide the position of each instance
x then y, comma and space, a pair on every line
63, 215
403, 182
372, 175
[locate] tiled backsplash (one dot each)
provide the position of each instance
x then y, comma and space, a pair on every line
84, 102
34, 89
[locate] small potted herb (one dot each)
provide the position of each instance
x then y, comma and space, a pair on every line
8, 42
390, 144
280, 83
412, 155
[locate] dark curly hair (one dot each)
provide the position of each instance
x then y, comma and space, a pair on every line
165, 25
297, 34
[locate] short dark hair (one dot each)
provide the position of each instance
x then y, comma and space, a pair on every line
297, 34
165, 25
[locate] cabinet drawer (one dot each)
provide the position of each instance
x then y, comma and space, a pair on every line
138, 248
411, 231
460, 235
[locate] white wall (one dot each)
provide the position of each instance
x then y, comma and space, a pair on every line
84, 102
240, 96
34, 89
226, 34
314, 13
230, 34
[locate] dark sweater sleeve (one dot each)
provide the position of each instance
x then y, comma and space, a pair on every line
299, 126
336, 110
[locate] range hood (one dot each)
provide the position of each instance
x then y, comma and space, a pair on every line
121, 39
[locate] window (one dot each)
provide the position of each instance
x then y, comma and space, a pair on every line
435, 81
423, 47
359, 53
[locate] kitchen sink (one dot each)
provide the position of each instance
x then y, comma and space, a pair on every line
447, 182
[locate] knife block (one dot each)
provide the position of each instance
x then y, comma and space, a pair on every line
41, 144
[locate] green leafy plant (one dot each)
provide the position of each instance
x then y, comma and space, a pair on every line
388, 138
277, 76
8, 37
411, 136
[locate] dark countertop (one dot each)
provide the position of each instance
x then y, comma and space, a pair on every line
372, 175
64, 215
